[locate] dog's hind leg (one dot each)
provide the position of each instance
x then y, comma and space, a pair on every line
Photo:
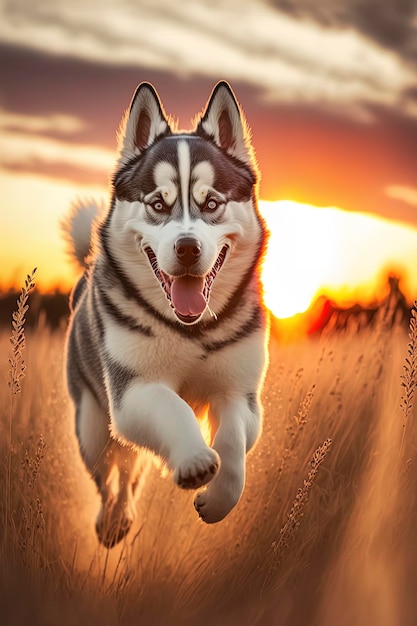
239, 426
115, 469
119, 495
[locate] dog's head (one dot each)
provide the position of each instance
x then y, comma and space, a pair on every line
188, 203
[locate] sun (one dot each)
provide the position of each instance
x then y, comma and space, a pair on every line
299, 252
345, 255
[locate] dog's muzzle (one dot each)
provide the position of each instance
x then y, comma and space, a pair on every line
187, 294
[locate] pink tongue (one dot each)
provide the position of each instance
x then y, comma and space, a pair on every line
187, 296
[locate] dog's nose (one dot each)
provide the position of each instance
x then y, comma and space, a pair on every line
188, 250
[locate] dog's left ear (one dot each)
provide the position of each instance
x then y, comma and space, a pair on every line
223, 120
144, 121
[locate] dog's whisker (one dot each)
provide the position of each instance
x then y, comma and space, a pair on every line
212, 313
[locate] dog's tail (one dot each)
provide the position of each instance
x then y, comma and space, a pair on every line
78, 228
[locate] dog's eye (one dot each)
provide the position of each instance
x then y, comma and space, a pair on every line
211, 204
159, 205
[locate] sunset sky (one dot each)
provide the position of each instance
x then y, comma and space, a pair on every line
329, 89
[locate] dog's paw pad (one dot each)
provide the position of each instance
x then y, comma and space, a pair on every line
200, 502
215, 502
207, 512
197, 470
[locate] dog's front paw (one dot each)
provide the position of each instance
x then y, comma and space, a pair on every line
215, 502
197, 469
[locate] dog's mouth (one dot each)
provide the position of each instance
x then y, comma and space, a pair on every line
188, 295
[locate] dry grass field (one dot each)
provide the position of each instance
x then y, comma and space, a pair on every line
325, 534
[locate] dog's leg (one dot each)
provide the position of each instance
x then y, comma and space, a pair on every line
153, 416
118, 509
114, 468
94, 437
239, 426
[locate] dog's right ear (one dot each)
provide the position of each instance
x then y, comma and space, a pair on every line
144, 121
224, 121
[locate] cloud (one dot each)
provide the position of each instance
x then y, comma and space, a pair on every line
55, 122
26, 147
392, 25
404, 193
328, 58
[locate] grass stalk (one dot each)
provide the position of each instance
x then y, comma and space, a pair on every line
17, 369
409, 376
296, 513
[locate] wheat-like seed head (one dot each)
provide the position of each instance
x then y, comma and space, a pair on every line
31, 464
297, 510
409, 377
17, 338
304, 408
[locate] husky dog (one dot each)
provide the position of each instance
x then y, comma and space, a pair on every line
168, 319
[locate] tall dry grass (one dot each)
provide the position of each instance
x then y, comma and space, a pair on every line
324, 533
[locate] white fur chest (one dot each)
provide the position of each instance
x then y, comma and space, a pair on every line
184, 365
166, 357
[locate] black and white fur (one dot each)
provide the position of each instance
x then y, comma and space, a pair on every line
168, 316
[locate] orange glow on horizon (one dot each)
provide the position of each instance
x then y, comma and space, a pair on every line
327, 251
312, 251
30, 231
